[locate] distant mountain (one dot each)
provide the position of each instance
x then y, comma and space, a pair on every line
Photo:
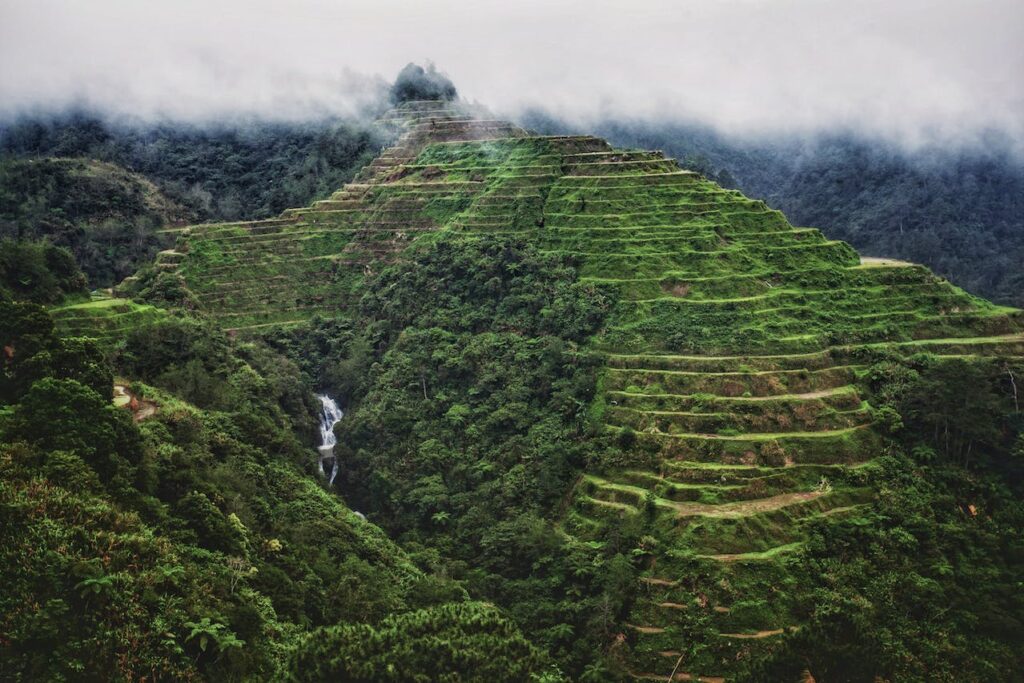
105, 215
958, 211
226, 171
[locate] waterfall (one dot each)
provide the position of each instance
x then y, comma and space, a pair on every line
329, 416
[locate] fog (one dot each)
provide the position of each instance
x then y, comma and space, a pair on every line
913, 71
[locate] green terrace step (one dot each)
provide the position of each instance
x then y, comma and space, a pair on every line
930, 293
704, 241
848, 301
830, 447
683, 215
698, 264
604, 499
634, 486
612, 156
105, 318
803, 416
800, 329
760, 525
264, 325
760, 556
813, 360
598, 202
608, 167
623, 179
781, 438
688, 471
709, 538
754, 383
720, 285
1011, 345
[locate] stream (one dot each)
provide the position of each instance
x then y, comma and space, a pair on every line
329, 416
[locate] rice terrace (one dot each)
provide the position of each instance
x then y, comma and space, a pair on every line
372, 383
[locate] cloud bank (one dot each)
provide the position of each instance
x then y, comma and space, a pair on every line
909, 70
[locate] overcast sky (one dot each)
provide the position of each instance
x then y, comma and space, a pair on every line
905, 69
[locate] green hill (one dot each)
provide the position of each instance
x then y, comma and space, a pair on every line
664, 429
955, 207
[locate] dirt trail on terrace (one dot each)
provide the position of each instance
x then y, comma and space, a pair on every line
759, 634
804, 397
140, 408
741, 508
680, 676
658, 582
878, 261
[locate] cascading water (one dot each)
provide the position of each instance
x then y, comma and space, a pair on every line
329, 416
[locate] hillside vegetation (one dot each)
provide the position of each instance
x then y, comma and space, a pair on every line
607, 420
106, 216
249, 169
193, 542
956, 209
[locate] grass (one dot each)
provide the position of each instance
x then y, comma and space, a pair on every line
106, 318
763, 556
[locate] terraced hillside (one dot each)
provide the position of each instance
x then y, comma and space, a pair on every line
282, 271
734, 360
104, 317
736, 352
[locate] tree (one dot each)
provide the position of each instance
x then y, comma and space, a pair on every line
66, 415
416, 83
38, 271
953, 402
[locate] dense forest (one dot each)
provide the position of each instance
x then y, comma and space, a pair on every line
196, 543
957, 209
108, 217
251, 169
206, 520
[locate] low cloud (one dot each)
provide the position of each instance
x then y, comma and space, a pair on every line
916, 71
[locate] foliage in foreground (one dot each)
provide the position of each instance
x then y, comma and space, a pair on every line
195, 545
465, 642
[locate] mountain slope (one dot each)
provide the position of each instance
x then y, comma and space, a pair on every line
107, 216
739, 407
956, 209
228, 171
178, 534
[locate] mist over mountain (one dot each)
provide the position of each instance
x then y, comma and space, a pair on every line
958, 209
913, 72
231, 170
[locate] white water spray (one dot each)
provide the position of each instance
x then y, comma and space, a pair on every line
329, 416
